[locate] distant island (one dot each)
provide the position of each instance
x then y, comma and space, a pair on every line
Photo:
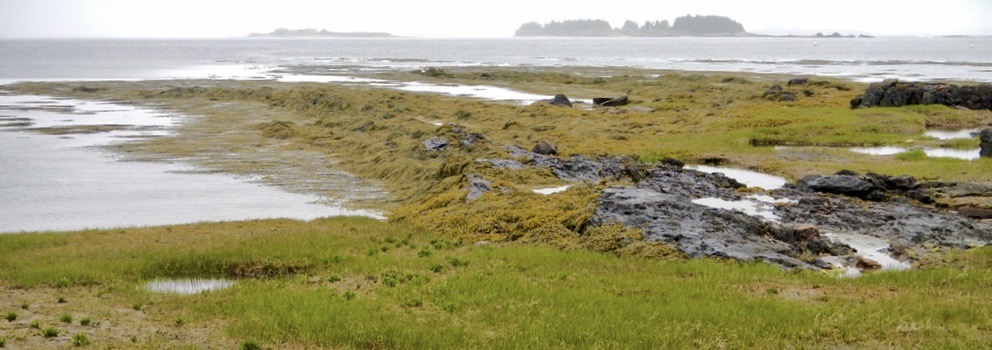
309, 33
682, 26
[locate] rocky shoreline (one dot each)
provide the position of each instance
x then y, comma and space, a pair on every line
794, 226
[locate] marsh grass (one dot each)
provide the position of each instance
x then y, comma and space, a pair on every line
510, 295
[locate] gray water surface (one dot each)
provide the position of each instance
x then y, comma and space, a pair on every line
66, 182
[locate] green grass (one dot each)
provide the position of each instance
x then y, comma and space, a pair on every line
509, 296
51, 332
80, 339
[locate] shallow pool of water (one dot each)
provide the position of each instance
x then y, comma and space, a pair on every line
187, 286
746, 177
868, 247
953, 134
754, 205
63, 182
551, 190
969, 154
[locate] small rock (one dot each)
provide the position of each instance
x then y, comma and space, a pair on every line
865, 264
545, 148
435, 144
477, 186
561, 100
986, 143
806, 232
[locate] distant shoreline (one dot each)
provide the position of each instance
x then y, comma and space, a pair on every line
313, 33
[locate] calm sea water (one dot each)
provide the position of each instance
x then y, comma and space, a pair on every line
61, 183
866, 59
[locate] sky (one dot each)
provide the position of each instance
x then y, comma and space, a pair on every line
471, 19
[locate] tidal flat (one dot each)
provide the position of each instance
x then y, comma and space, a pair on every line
472, 257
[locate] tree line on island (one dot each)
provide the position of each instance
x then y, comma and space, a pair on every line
682, 26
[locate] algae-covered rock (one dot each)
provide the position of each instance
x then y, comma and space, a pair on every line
561, 100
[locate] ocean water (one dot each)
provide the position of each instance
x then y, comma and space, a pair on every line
863, 59
52, 182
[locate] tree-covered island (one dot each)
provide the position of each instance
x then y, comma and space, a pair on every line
682, 26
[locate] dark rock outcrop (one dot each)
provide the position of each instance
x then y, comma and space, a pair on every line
611, 102
776, 93
892, 93
986, 143
797, 81
560, 100
575, 168
662, 206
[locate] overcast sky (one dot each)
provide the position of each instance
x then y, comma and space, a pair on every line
437, 18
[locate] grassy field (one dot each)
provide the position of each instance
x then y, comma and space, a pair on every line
360, 283
541, 276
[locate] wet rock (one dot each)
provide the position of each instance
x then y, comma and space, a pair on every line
611, 102
545, 148
435, 144
848, 185
865, 264
797, 81
892, 93
561, 100
986, 143
575, 168
661, 206
477, 186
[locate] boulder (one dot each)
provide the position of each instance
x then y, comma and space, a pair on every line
797, 81
865, 264
477, 185
545, 148
616, 102
848, 185
561, 100
435, 144
986, 143
776, 93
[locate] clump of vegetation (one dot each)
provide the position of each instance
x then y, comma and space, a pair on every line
85, 321
80, 339
11, 316
62, 300
51, 332
35, 324
66, 318
250, 344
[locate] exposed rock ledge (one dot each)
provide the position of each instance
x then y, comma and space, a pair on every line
892, 93
793, 226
